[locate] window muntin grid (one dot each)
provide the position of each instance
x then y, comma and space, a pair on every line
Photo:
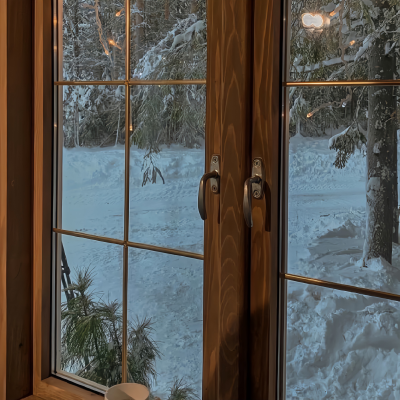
122, 239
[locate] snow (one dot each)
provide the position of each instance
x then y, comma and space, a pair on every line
325, 63
333, 139
329, 7
153, 57
166, 288
339, 345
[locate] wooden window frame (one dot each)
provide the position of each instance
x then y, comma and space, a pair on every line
3, 199
45, 386
257, 300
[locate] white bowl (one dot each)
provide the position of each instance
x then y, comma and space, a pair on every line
128, 391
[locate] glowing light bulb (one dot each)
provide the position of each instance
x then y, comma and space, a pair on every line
130, 127
352, 42
312, 20
309, 115
119, 12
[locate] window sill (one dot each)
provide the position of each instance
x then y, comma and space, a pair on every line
56, 389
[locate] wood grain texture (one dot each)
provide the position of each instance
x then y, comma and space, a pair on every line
19, 198
38, 196
32, 398
47, 187
56, 389
212, 245
229, 80
265, 232
3, 199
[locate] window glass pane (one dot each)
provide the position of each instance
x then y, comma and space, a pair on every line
343, 40
169, 39
93, 40
91, 310
93, 163
343, 222
341, 345
165, 312
167, 163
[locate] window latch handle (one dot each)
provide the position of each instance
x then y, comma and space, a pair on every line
253, 187
213, 176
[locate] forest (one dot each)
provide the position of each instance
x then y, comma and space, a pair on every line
168, 42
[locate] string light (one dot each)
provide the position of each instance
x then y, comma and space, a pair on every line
119, 12
352, 42
111, 41
309, 115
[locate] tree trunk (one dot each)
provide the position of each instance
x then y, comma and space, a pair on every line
381, 150
139, 30
76, 124
298, 126
76, 45
395, 182
117, 135
167, 9
193, 7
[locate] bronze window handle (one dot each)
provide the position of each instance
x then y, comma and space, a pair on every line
213, 176
253, 187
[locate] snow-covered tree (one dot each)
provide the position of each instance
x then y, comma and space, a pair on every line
168, 42
358, 41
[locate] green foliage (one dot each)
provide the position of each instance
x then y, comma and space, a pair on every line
92, 338
181, 391
345, 144
142, 353
91, 341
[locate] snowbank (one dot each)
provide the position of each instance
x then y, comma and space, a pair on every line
339, 345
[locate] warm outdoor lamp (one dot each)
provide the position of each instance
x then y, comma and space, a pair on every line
310, 21
313, 23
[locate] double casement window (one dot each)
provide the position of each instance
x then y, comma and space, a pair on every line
278, 122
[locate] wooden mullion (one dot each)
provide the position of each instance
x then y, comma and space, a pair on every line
265, 232
3, 199
229, 87
212, 245
38, 195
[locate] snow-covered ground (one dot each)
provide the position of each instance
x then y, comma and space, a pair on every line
166, 288
339, 345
